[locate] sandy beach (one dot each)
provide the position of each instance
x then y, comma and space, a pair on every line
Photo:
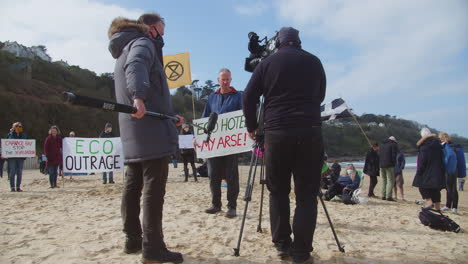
80, 223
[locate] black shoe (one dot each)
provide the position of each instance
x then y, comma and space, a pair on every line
13, 190
104, 183
213, 210
231, 213
19, 190
111, 182
391, 200
306, 259
283, 252
132, 245
164, 256
383, 198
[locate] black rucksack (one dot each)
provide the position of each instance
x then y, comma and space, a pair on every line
438, 221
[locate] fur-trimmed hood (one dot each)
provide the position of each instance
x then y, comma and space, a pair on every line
122, 31
122, 24
422, 140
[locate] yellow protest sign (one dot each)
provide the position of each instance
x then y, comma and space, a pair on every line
177, 68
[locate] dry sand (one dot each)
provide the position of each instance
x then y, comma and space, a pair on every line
80, 223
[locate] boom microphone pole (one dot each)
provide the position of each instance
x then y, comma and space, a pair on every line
122, 108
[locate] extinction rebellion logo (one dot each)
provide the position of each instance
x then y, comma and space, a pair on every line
174, 70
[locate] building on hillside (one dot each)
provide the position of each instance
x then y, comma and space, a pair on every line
25, 52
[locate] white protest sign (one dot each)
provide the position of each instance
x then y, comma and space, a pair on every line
18, 148
92, 154
229, 136
186, 141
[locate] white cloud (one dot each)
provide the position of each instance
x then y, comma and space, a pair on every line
396, 44
72, 30
252, 8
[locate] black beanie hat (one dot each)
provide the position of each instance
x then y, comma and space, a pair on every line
288, 34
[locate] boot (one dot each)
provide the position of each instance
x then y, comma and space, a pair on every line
186, 174
195, 174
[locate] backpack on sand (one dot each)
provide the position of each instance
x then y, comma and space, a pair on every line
438, 221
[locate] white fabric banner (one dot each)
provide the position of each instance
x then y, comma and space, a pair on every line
18, 148
92, 154
186, 141
229, 136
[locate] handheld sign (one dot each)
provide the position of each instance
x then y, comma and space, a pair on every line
186, 141
228, 137
92, 154
18, 148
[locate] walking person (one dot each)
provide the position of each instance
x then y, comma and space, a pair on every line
225, 99
451, 173
53, 151
430, 173
399, 181
371, 168
15, 165
147, 142
107, 133
188, 155
387, 161
293, 84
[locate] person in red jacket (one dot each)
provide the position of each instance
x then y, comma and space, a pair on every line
53, 151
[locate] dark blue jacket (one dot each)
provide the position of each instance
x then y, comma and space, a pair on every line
233, 102
347, 182
450, 159
14, 135
400, 163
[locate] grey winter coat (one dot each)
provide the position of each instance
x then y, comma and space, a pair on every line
139, 73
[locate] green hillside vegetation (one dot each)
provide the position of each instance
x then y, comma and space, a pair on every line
31, 92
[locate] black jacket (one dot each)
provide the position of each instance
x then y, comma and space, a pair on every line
293, 84
387, 153
371, 165
430, 172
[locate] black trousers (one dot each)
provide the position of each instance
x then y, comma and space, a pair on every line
452, 193
296, 152
433, 194
189, 158
219, 168
150, 177
372, 183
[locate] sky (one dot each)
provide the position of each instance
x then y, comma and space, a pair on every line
405, 58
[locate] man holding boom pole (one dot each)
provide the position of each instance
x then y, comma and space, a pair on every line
147, 142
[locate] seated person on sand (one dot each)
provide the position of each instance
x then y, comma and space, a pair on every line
345, 184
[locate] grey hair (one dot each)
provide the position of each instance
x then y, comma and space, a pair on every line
224, 70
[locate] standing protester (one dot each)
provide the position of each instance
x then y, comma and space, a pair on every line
430, 173
371, 168
387, 161
225, 99
293, 83
15, 165
53, 151
107, 133
2, 161
188, 155
399, 181
42, 163
147, 142
450, 162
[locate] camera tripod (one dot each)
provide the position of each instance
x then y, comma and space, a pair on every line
258, 148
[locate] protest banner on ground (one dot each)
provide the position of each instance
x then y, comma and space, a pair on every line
186, 141
18, 148
88, 155
229, 136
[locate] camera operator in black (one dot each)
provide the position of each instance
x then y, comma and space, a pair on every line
293, 83
188, 155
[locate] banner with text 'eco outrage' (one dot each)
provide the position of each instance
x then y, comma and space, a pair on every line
92, 154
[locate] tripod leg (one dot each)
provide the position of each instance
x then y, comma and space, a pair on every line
330, 222
262, 182
247, 198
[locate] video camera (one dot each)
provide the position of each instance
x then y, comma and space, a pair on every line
259, 51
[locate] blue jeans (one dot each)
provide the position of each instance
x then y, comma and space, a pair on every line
15, 167
2, 161
53, 175
111, 177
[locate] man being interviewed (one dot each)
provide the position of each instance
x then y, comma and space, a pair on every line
147, 142
293, 83
226, 99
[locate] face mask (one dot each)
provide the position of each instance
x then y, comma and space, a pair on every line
186, 129
19, 129
108, 130
349, 171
